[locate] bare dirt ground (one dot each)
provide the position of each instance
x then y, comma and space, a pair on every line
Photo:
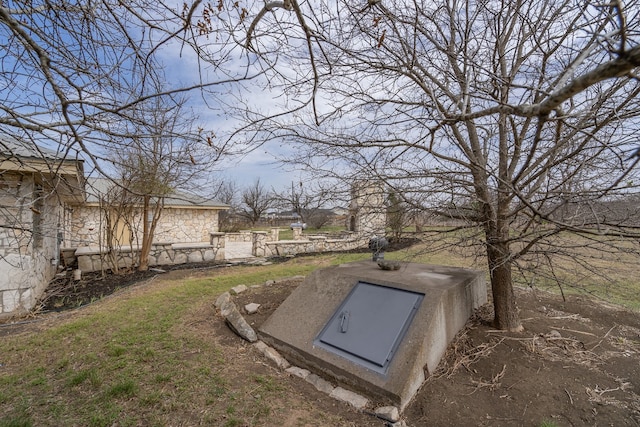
576, 364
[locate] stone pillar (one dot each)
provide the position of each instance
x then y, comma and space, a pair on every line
217, 240
275, 235
319, 243
259, 243
367, 211
297, 232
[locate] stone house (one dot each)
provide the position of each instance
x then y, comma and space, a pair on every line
35, 186
96, 227
48, 207
186, 218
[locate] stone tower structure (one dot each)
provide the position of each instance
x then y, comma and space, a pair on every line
367, 211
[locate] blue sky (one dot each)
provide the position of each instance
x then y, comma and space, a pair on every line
182, 68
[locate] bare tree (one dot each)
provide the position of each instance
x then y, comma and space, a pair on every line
397, 214
120, 221
157, 162
72, 71
307, 201
256, 200
228, 193
517, 107
76, 78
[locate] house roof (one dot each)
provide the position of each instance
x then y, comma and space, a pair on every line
63, 174
178, 199
12, 147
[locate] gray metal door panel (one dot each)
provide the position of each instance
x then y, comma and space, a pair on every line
371, 322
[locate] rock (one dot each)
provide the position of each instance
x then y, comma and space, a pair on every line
389, 265
238, 289
222, 299
237, 323
298, 372
273, 355
402, 423
389, 413
195, 257
251, 308
320, 384
554, 334
270, 282
209, 255
227, 307
353, 399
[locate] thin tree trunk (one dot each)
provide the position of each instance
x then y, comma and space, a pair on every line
143, 264
504, 302
149, 229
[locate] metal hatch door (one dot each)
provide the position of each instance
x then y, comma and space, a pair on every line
369, 325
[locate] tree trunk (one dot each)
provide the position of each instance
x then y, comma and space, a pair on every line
497, 233
143, 264
504, 302
149, 229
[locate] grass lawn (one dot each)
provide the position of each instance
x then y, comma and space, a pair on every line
133, 359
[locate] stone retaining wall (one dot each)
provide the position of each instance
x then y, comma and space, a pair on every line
95, 259
313, 244
242, 236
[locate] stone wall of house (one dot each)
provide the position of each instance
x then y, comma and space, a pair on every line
28, 242
16, 195
186, 225
86, 226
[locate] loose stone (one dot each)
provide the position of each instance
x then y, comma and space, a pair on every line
238, 289
222, 299
353, 399
273, 355
298, 372
237, 323
389, 413
251, 308
319, 383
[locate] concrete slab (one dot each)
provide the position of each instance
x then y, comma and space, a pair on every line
450, 297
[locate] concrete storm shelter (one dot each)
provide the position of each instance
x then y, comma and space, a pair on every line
378, 332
